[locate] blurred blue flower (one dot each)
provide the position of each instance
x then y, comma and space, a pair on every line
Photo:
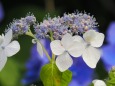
111, 34
34, 64
108, 50
82, 74
1, 12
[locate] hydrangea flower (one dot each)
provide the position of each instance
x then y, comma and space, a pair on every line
98, 83
108, 50
70, 35
63, 48
92, 40
7, 48
74, 23
21, 26
76, 47
35, 62
30, 19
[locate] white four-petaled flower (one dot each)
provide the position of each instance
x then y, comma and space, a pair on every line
77, 46
91, 40
63, 48
98, 83
7, 48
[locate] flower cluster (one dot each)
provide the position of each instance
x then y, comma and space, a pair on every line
77, 46
68, 29
75, 23
21, 26
71, 35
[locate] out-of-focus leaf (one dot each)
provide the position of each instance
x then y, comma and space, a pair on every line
91, 84
9, 76
111, 79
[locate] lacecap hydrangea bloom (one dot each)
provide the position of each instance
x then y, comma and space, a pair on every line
69, 29
72, 35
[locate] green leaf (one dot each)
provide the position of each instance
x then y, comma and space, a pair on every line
91, 84
111, 80
51, 76
66, 78
111, 75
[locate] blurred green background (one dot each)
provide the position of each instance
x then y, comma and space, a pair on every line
103, 10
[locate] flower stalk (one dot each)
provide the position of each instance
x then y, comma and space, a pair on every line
29, 33
51, 38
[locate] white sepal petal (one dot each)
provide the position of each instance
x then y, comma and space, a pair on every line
3, 60
64, 61
39, 49
56, 47
12, 48
94, 38
98, 83
89, 35
98, 40
76, 49
78, 39
67, 41
7, 38
91, 56
1, 38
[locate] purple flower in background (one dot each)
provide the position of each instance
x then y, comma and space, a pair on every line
82, 74
1, 12
108, 50
34, 64
111, 34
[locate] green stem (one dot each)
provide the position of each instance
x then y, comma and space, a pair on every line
51, 38
53, 57
29, 33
